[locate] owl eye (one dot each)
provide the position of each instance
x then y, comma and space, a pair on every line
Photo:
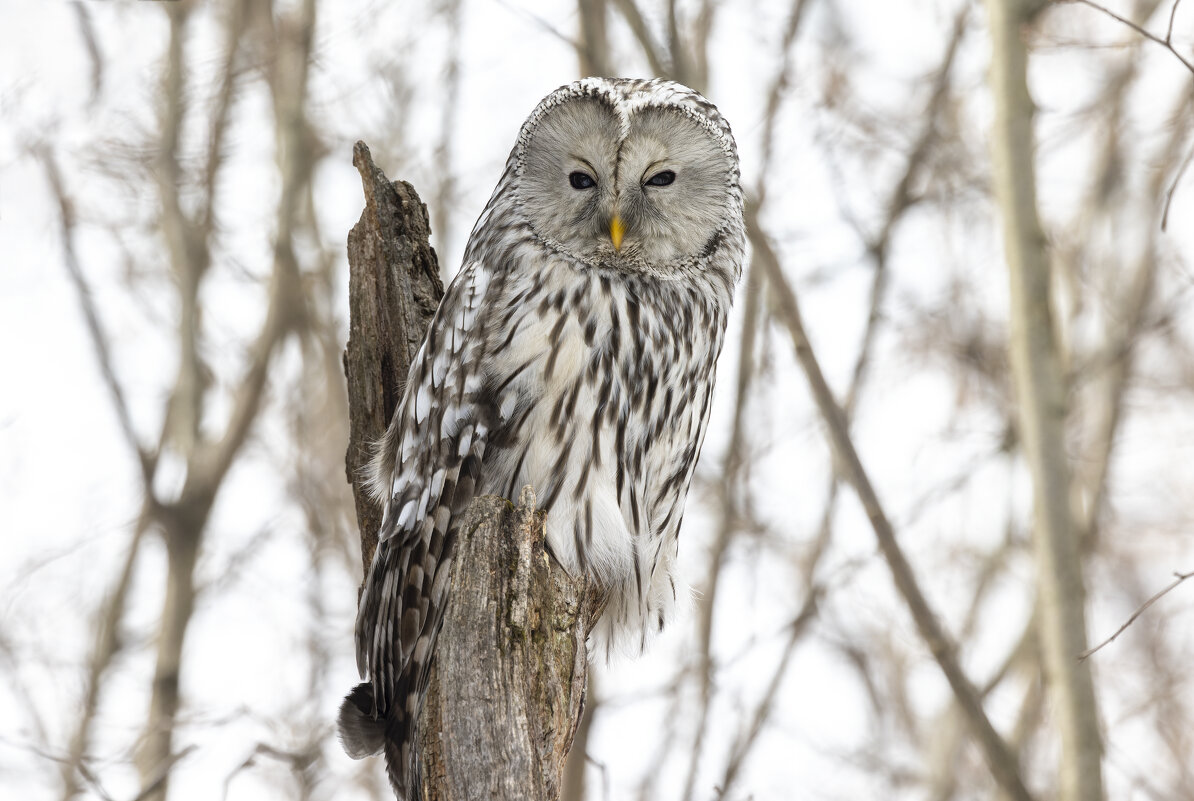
580, 180
661, 178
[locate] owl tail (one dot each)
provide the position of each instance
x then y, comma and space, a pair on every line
363, 733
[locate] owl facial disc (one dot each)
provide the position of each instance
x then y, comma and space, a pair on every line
633, 176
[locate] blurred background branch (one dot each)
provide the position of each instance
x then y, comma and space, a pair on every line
1039, 381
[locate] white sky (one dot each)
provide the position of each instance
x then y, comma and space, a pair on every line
66, 477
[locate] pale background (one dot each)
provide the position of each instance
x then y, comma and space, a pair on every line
438, 90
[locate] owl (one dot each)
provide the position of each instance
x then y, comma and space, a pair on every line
575, 351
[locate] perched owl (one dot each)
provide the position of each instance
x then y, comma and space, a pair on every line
575, 351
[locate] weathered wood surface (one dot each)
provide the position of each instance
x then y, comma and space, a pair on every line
507, 685
394, 289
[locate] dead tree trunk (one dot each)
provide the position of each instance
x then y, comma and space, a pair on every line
507, 684
393, 291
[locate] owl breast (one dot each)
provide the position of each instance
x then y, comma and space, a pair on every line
604, 384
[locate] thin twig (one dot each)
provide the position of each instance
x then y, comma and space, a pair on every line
84, 771
234, 29
1178, 579
742, 748
1166, 43
542, 22
1172, 17
95, 328
1115, 361
107, 645
1173, 187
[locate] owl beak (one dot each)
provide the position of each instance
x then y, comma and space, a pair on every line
616, 230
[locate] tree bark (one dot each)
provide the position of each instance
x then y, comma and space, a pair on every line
1041, 395
393, 292
507, 684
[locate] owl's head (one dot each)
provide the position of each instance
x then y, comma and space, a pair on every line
636, 176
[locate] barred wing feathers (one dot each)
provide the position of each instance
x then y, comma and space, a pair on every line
426, 470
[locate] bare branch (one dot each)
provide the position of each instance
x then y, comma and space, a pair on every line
1178, 579
729, 485
702, 29
1039, 381
189, 257
213, 463
286, 310
1121, 347
1001, 761
1118, 351
234, 28
87, 31
758, 720
444, 201
95, 328
593, 48
1166, 43
184, 520
638, 26
542, 23
675, 45
107, 646
898, 204
157, 783
1181, 171
300, 761
1172, 17
776, 95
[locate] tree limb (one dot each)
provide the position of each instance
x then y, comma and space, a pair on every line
638, 26
1041, 394
183, 520
1000, 759
1178, 579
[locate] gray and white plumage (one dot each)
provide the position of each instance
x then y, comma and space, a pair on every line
575, 351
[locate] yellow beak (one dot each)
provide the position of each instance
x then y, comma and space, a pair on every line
616, 230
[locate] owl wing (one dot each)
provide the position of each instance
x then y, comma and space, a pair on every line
426, 471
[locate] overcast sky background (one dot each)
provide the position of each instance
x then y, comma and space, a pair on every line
67, 481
